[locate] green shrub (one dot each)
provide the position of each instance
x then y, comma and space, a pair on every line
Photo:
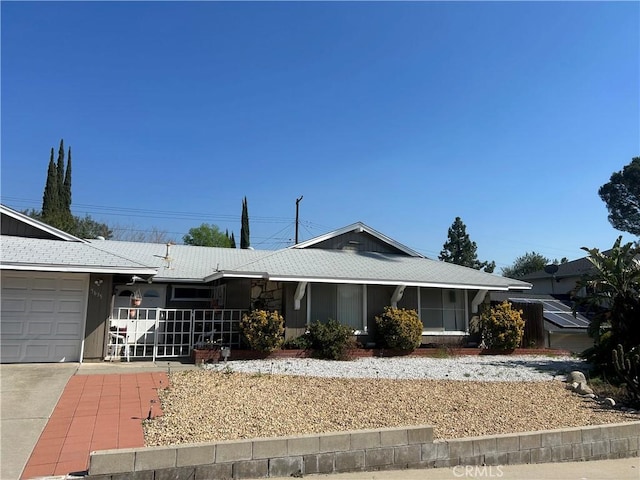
399, 329
296, 343
502, 327
599, 356
330, 340
263, 331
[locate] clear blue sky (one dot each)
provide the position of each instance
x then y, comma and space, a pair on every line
400, 115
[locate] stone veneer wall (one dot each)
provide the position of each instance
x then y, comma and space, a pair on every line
384, 449
266, 295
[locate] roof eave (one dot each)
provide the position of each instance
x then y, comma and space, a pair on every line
77, 269
393, 282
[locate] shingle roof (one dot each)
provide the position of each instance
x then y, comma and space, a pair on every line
20, 253
207, 263
186, 263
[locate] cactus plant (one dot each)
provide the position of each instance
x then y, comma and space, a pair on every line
628, 369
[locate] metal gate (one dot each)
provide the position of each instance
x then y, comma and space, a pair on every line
170, 332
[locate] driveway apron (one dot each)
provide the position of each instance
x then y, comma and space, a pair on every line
28, 396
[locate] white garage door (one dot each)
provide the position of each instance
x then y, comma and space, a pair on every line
42, 316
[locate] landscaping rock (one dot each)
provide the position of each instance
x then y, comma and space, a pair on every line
583, 389
204, 406
576, 377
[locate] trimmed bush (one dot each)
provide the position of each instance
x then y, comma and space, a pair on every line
502, 327
296, 343
330, 340
262, 330
399, 329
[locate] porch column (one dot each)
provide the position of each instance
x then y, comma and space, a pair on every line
477, 300
300, 290
397, 295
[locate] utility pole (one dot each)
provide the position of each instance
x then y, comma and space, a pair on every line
298, 200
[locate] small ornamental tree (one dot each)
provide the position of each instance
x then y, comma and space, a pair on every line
399, 329
502, 327
263, 331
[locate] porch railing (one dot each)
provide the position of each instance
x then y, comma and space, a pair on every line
169, 332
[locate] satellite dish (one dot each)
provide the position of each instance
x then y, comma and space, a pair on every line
551, 268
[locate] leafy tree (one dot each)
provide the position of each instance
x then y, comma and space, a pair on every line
206, 235
613, 292
622, 196
459, 249
80, 227
525, 264
87, 227
244, 229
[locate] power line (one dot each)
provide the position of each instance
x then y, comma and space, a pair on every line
147, 213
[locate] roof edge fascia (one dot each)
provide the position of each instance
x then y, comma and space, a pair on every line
362, 281
77, 269
40, 225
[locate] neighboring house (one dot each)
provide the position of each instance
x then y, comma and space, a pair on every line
563, 329
558, 285
561, 282
349, 275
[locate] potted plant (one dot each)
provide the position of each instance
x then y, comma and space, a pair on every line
136, 299
207, 351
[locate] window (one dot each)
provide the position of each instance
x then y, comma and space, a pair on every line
443, 310
343, 302
184, 294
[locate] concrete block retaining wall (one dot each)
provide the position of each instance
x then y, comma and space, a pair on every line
384, 449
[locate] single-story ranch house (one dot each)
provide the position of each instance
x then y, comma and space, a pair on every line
69, 299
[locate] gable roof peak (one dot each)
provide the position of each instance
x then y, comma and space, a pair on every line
358, 227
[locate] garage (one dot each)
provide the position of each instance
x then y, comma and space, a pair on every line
43, 316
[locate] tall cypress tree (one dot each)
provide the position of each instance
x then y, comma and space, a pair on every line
56, 200
60, 171
233, 240
244, 229
50, 196
67, 185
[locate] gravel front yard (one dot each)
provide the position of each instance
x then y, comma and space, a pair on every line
204, 405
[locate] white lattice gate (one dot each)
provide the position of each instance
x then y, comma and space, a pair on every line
169, 332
